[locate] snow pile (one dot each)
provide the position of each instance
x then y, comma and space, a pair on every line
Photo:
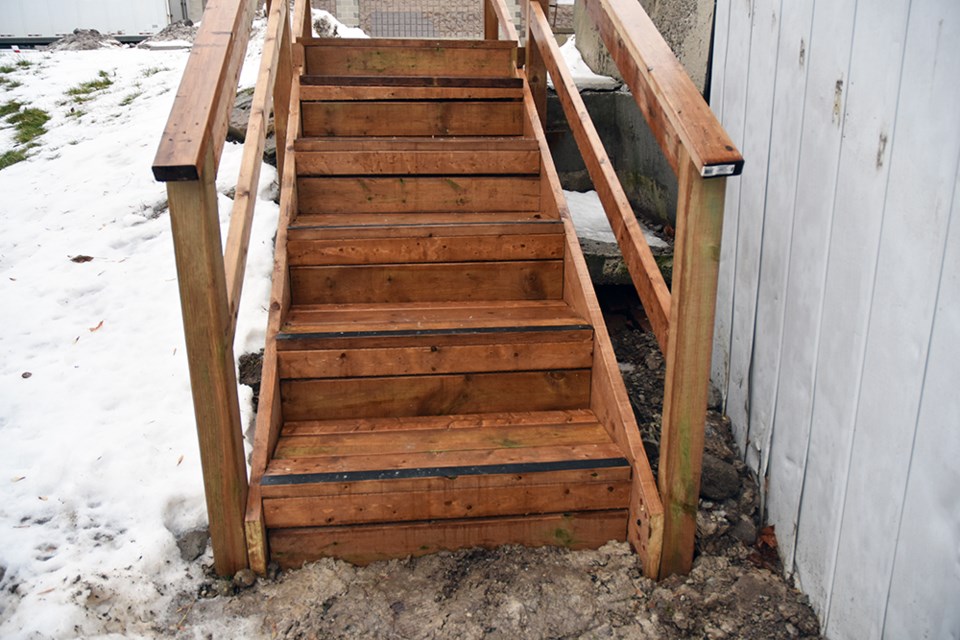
99, 457
177, 34
583, 76
326, 25
591, 221
84, 40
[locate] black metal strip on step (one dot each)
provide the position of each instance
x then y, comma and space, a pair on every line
444, 472
430, 332
411, 81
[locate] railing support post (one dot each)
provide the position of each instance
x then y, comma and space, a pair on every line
696, 263
213, 380
535, 66
491, 26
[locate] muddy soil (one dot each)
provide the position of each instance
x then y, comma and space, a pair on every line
734, 591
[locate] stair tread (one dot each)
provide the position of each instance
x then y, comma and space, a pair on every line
436, 317
467, 82
414, 143
304, 221
461, 447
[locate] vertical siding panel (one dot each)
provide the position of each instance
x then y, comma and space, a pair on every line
764, 39
870, 112
828, 57
785, 145
923, 153
736, 82
719, 366
926, 576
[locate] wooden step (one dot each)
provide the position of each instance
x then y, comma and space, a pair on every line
413, 118
433, 395
417, 155
410, 57
427, 282
358, 225
444, 338
448, 467
363, 544
313, 88
418, 194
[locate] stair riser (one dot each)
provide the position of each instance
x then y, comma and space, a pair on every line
454, 281
418, 194
434, 395
363, 544
447, 504
434, 58
427, 358
473, 162
412, 118
424, 250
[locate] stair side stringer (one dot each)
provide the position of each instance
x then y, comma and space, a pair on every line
608, 399
269, 414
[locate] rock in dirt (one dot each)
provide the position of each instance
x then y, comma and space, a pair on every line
84, 40
744, 531
719, 480
244, 579
239, 119
193, 543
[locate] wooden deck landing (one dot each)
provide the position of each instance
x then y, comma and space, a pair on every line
437, 374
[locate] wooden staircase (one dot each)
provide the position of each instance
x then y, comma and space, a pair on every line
436, 374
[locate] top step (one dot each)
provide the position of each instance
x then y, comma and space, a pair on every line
389, 57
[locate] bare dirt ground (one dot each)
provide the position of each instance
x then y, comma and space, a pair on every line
734, 591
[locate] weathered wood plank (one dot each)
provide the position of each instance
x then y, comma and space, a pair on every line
435, 395
418, 194
415, 223
448, 281
696, 262
529, 355
340, 92
453, 503
412, 118
360, 156
363, 544
426, 249
411, 58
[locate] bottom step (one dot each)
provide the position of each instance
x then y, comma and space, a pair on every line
364, 544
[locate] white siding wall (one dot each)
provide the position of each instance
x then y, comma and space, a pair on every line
837, 344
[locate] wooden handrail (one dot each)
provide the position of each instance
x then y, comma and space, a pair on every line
636, 252
201, 111
702, 155
244, 200
497, 20
674, 109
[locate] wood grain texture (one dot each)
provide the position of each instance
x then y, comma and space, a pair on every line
403, 92
696, 262
198, 121
364, 544
404, 506
437, 248
671, 104
435, 394
418, 194
206, 321
475, 58
412, 118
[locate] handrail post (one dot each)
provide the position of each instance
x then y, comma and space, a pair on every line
281, 93
213, 380
536, 67
690, 342
491, 26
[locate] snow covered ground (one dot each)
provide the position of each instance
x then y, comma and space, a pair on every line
98, 451
99, 461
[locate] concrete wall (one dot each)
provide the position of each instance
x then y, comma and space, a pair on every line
838, 314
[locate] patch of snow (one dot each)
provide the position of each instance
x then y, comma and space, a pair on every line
583, 76
100, 456
326, 25
591, 221
160, 45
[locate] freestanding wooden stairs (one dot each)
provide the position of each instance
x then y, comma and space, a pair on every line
437, 374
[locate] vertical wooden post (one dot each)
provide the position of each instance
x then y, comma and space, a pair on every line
491, 26
536, 68
696, 261
213, 380
281, 93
